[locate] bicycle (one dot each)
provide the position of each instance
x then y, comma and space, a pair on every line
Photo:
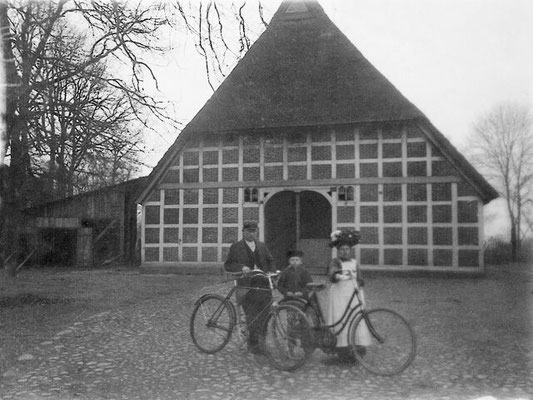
393, 346
216, 318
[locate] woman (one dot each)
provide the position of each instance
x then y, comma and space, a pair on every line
344, 276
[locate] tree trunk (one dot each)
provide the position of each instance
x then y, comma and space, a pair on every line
8, 193
514, 243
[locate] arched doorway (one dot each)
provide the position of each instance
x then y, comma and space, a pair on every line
299, 220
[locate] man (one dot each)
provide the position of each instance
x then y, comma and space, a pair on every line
247, 255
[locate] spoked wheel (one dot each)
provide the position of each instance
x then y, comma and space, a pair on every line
288, 340
307, 308
383, 342
212, 322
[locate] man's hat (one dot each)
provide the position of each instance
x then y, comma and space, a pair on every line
249, 224
295, 253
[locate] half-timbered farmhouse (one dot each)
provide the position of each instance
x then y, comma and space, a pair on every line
306, 136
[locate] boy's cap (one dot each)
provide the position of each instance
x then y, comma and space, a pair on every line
295, 253
249, 224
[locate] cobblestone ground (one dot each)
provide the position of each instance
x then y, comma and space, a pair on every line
474, 341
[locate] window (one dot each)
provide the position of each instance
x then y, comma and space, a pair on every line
345, 193
251, 195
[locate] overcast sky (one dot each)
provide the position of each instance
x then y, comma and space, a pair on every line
454, 59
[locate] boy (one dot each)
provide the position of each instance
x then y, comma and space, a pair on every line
293, 280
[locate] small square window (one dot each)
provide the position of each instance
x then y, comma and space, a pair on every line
345, 193
251, 195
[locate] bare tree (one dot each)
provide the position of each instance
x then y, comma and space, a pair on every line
53, 53
47, 59
501, 147
223, 31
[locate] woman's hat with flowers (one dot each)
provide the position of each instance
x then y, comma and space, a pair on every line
343, 237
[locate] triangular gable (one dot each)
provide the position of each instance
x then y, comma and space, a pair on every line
302, 71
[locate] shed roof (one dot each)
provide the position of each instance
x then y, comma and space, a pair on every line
302, 71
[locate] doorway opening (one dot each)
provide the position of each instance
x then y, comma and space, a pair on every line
299, 220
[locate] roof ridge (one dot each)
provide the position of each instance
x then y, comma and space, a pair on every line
297, 9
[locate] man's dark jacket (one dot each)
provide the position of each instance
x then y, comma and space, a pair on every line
241, 255
254, 301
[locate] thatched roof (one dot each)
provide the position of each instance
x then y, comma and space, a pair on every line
301, 72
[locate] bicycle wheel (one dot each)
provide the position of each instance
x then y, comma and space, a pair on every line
288, 340
383, 342
212, 322
306, 307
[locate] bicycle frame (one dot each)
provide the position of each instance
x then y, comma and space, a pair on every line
349, 315
235, 306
